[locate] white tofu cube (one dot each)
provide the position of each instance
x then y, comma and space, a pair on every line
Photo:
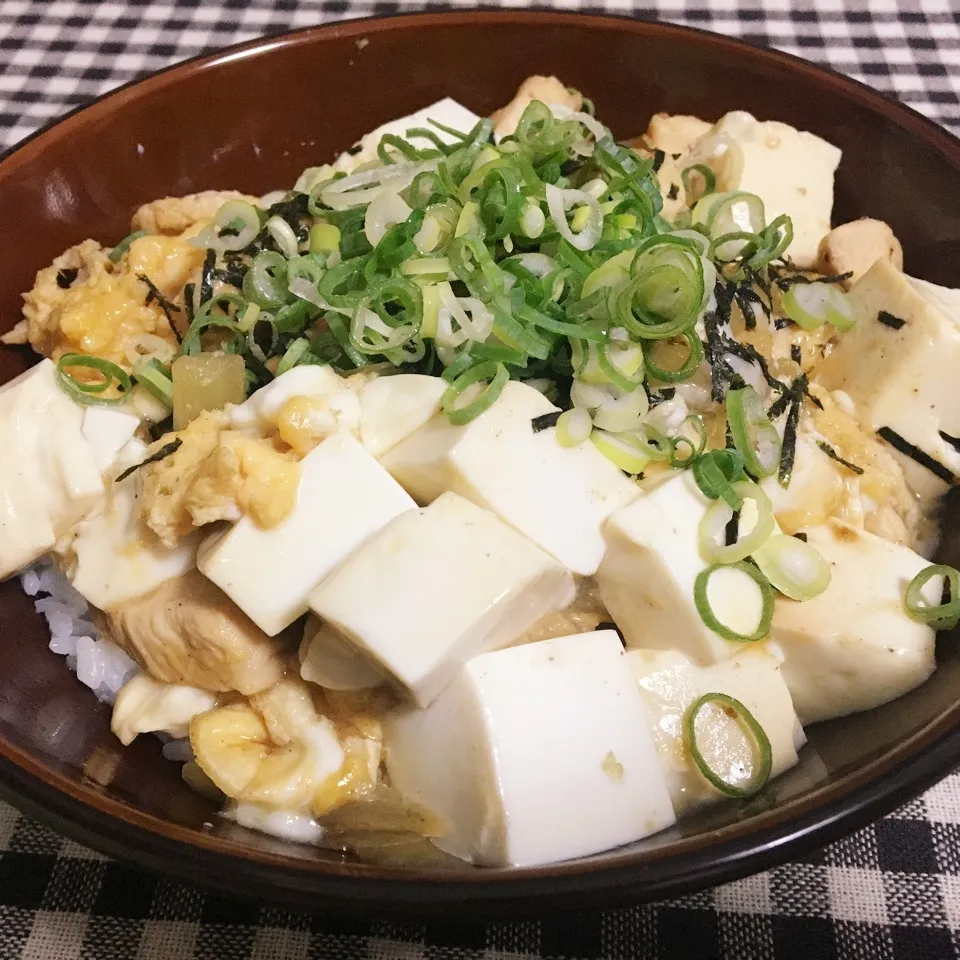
671, 682
487, 584
391, 408
49, 477
904, 377
343, 498
107, 431
647, 575
790, 170
853, 647
446, 111
557, 496
534, 754
118, 556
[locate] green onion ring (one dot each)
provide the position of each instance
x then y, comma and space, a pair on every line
700, 598
754, 435
696, 449
121, 248
942, 616
91, 393
689, 366
716, 472
490, 370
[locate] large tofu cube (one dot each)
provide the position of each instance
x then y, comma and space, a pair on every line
647, 575
446, 111
904, 377
108, 431
790, 170
853, 647
118, 556
533, 754
557, 496
487, 583
391, 408
343, 498
671, 682
49, 475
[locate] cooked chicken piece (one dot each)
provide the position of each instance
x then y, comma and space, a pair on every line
217, 474
189, 632
280, 751
145, 705
548, 90
173, 215
84, 303
855, 247
674, 133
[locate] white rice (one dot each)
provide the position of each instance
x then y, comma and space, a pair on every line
98, 663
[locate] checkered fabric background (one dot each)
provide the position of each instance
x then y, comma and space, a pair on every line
891, 891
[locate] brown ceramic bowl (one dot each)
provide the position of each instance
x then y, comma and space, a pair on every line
252, 117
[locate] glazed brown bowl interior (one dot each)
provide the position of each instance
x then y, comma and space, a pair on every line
252, 118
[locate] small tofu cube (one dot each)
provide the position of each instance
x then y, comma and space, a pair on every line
790, 170
557, 496
107, 431
49, 476
343, 498
647, 575
391, 408
853, 647
118, 556
671, 682
533, 754
488, 585
902, 376
446, 111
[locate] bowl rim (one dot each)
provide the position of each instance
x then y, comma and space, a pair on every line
766, 839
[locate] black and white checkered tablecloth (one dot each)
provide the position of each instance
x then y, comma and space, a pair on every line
891, 891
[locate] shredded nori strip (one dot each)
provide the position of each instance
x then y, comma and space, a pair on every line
801, 536
657, 397
66, 276
188, 291
731, 532
354, 150
722, 375
673, 192
946, 594
232, 271
206, 276
788, 450
545, 421
781, 323
889, 320
796, 354
833, 455
570, 166
912, 451
153, 294
610, 625
746, 351
785, 283
658, 157
168, 448
953, 441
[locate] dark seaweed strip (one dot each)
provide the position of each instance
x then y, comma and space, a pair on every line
655, 398
833, 455
66, 276
673, 192
232, 271
161, 454
788, 450
796, 354
746, 351
610, 625
801, 536
545, 421
658, 157
153, 294
908, 449
785, 283
731, 532
946, 594
953, 441
781, 323
206, 276
889, 320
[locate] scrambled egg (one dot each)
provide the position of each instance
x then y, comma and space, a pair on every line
217, 474
173, 215
84, 303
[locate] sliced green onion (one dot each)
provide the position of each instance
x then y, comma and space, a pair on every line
324, 238
754, 435
621, 450
292, 355
612, 409
623, 366
124, 245
713, 525
940, 616
283, 236
265, 282
681, 441
155, 378
573, 427
559, 201
709, 182
810, 305
92, 393
763, 753
248, 318
701, 589
793, 567
234, 227
715, 474
689, 366
495, 373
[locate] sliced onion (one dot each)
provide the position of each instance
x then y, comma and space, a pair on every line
386, 210
559, 201
756, 516
360, 188
596, 128
532, 221
573, 427
621, 451
284, 237
793, 567
612, 409
810, 305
